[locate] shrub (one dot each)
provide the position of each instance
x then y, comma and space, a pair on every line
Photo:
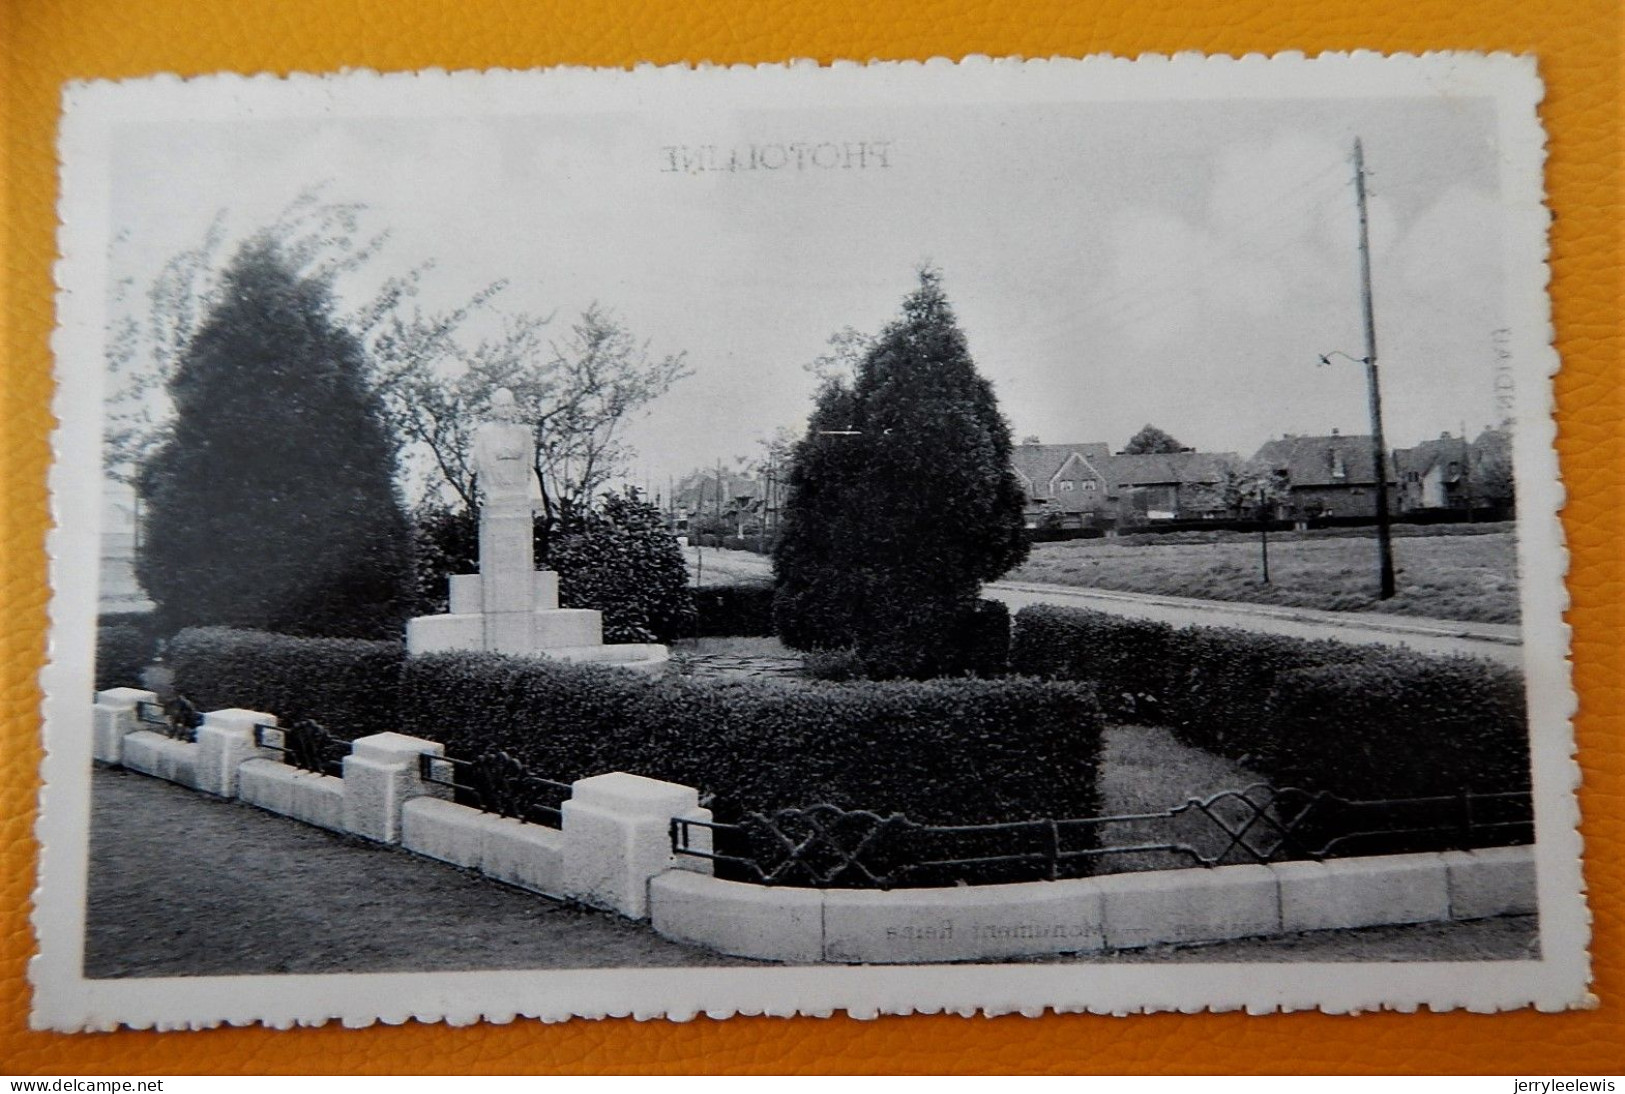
1398, 725
349, 685
901, 501
837, 666
756, 545
1210, 685
123, 650
923, 641
744, 609
445, 541
627, 565
1359, 721
946, 751
1126, 658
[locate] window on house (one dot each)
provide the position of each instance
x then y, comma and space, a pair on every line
1089, 484
1067, 484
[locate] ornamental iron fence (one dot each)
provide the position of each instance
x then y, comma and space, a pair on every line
825, 846
305, 744
497, 782
175, 717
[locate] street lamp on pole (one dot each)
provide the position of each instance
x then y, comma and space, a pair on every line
1379, 457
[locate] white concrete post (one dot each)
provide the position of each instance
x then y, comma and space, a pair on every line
381, 775
224, 741
114, 716
617, 836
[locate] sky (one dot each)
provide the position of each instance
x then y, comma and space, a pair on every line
1181, 263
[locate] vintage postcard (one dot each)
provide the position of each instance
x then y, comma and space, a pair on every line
984, 536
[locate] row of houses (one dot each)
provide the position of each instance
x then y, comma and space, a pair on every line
1086, 485
1314, 477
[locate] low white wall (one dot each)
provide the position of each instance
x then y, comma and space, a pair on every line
161, 757
772, 922
614, 852
529, 856
1118, 911
303, 795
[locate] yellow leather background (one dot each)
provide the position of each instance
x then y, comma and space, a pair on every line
46, 42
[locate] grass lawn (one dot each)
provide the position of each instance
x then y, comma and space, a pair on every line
1144, 770
714, 566
1451, 576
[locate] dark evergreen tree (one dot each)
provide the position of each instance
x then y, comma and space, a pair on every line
902, 501
1151, 440
445, 541
272, 503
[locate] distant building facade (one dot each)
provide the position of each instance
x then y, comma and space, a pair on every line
1329, 476
1070, 486
1171, 485
1435, 474
119, 591
1066, 485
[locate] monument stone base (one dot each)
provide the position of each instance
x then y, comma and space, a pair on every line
538, 627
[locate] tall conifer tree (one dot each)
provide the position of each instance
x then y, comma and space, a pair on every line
272, 504
902, 501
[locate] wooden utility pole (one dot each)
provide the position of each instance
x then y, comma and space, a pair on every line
1264, 531
1379, 452
1467, 469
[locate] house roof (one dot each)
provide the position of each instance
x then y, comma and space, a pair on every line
1312, 461
697, 490
1164, 468
1423, 457
1037, 464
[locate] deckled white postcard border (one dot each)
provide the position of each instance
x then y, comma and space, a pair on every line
65, 999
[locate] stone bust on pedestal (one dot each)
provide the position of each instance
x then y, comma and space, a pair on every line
505, 456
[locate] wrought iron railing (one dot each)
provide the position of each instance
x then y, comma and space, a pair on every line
305, 744
175, 717
496, 782
827, 846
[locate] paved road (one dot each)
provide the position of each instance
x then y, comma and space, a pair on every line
1496, 641
1499, 642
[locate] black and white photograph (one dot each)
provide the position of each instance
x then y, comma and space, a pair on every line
984, 537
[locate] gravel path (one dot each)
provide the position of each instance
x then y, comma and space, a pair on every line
182, 884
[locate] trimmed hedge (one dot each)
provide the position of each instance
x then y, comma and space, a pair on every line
745, 609
126, 643
350, 685
947, 751
1360, 721
1403, 726
921, 640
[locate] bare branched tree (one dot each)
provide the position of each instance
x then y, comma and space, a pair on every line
597, 379
434, 379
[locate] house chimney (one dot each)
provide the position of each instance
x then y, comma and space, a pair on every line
1445, 436
1334, 431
